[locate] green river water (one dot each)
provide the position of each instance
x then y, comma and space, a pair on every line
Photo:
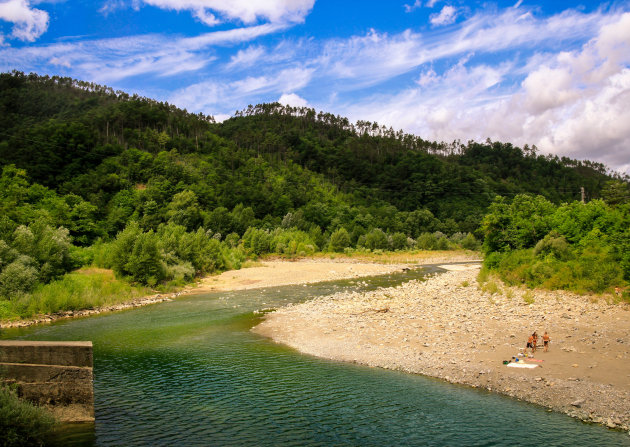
190, 373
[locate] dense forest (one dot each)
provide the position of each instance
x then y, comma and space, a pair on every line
92, 176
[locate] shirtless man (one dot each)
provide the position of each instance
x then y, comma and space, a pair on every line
546, 341
530, 343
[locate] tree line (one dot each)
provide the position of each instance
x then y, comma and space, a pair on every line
92, 176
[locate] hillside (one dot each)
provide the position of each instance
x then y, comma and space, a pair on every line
129, 156
95, 177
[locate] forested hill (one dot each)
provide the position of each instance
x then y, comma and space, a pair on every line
105, 158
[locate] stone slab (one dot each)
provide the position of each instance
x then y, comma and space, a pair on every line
67, 353
25, 372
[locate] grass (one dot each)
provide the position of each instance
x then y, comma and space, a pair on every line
22, 423
82, 289
528, 297
491, 287
251, 264
400, 257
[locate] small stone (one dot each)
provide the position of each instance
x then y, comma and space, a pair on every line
578, 403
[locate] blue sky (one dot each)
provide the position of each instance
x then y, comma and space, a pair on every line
554, 74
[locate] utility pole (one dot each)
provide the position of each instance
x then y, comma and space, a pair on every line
583, 195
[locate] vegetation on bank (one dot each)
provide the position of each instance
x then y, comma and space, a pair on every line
582, 247
22, 423
101, 179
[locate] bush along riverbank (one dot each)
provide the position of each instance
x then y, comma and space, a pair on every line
22, 423
43, 273
581, 247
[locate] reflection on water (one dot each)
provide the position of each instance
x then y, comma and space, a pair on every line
189, 372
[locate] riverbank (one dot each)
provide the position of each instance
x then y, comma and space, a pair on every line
448, 328
277, 272
272, 273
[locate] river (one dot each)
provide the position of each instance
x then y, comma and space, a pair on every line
190, 373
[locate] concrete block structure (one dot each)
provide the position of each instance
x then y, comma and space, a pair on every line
57, 375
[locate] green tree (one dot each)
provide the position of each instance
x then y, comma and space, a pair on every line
20, 276
399, 241
376, 239
339, 240
144, 264
184, 210
616, 192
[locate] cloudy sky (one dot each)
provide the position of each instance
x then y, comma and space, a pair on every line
554, 74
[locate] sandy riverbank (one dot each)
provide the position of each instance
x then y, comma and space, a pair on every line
447, 328
274, 273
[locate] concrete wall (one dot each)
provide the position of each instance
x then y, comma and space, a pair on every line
57, 375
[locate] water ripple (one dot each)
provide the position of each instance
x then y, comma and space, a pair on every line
189, 373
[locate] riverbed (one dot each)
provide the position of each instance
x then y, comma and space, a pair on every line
191, 372
451, 328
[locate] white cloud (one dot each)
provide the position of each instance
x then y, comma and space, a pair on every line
246, 11
446, 16
427, 78
574, 104
246, 58
28, 23
410, 8
366, 60
293, 100
287, 80
109, 60
363, 61
210, 96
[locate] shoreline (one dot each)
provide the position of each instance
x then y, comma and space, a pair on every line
271, 273
447, 328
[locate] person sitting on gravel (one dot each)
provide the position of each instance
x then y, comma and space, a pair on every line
546, 341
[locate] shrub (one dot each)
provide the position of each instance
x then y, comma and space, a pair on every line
232, 240
339, 240
399, 241
144, 264
18, 277
426, 241
123, 246
376, 239
470, 243
21, 423
234, 258
553, 245
442, 243
180, 272
257, 241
